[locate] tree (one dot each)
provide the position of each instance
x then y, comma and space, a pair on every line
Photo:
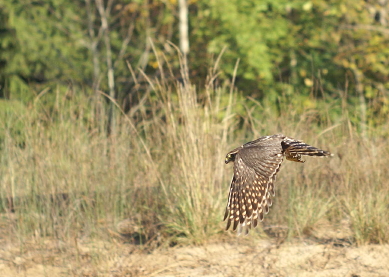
7, 50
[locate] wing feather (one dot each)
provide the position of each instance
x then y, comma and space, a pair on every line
251, 187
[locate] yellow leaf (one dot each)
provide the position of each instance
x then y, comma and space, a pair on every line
307, 6
153, 64
308, 82
345, 63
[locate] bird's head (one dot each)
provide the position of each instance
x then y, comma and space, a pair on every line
230, 157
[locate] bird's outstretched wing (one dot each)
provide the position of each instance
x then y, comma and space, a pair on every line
252, 185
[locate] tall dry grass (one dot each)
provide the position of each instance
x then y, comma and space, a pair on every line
163, 171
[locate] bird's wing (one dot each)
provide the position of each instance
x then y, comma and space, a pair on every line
252, 185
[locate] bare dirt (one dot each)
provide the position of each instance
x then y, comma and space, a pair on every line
242, 257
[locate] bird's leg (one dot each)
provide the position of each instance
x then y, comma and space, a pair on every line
294, 157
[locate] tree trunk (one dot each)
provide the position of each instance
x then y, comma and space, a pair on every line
184, 33
110, 74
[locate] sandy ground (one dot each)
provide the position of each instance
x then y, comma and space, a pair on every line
238, 258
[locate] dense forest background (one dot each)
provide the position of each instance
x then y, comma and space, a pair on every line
299, 49
117, 111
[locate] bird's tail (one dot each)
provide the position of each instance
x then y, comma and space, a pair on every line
294, 149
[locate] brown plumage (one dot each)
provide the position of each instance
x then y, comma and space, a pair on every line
256, 164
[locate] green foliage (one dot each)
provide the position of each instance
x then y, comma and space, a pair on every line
302, 49
7, 51
249, 30
49, 40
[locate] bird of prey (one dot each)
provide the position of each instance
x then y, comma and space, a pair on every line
256, 164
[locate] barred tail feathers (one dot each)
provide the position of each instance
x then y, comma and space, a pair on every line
294, 149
